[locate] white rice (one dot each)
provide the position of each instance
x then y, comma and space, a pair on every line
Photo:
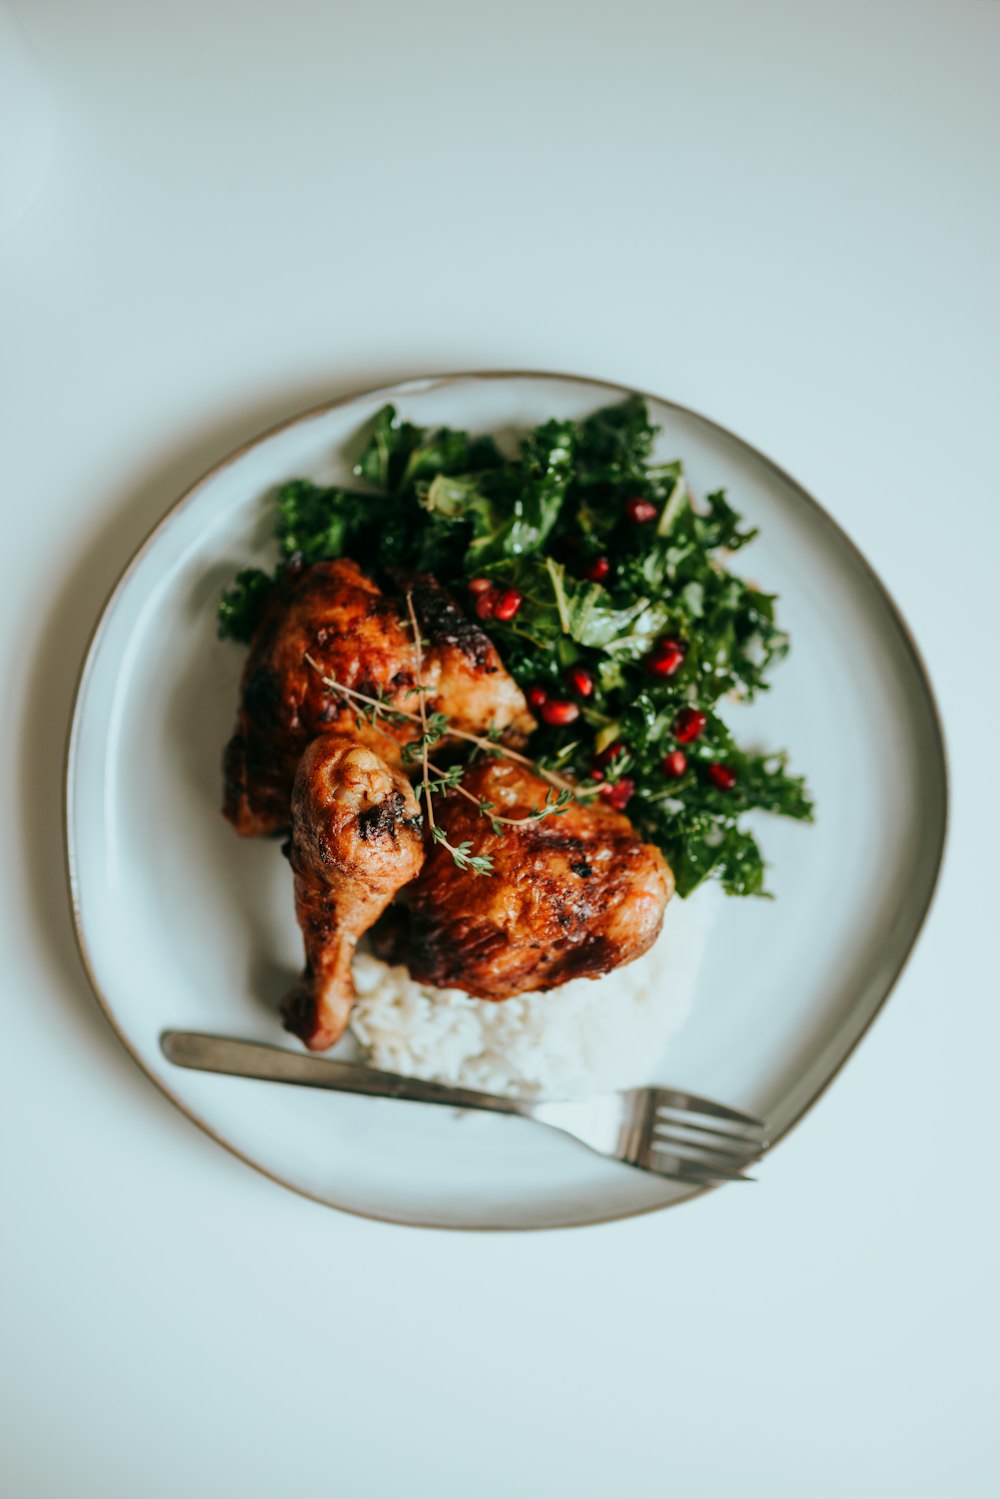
586, 1036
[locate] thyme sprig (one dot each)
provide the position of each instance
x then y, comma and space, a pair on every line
435, 781
461, 852
490, 746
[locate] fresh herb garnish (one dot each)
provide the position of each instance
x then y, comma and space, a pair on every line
594, 569
436, 781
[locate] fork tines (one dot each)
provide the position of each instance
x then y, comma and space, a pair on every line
702, 1153
692, 1103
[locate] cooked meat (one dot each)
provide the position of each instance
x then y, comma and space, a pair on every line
571, 896
332, 612
355, 842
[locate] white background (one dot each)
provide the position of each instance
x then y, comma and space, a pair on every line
784, 215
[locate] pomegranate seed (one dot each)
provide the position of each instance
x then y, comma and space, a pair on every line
722, 776
581, 680
640, 511
675, 764
595, 774
537, 696
598, 570
619, 795
688, 725
558, 712
508, 604
486, 603
607, 755
666, 659
479, 585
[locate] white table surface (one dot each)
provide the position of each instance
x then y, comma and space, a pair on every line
786, 216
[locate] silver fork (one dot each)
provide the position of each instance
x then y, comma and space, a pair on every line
662, 1130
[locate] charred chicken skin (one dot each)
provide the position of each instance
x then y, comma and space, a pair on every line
355, 842
356, 634
571, 896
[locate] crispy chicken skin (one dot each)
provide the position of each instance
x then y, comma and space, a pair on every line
571, 896
332, 612
355, 842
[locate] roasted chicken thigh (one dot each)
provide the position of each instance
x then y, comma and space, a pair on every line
332, 615
572, 895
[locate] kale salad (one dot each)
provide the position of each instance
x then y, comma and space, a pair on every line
605, 586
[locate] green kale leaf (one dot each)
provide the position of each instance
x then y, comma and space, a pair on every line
317, 523
242, 605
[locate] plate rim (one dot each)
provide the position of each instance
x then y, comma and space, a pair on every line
397, 389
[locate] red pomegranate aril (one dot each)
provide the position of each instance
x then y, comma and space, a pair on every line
598, 570
640, 511
675, 764
618, 794
557, 712
722, 776
607, 755
688, 724
666, 659
581, 680
479, 585
537, 696
486, 603
508, 603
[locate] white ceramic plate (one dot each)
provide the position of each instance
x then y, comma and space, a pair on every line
183, 925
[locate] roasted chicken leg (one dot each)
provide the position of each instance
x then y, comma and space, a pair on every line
572, 895
355, 842
335, 616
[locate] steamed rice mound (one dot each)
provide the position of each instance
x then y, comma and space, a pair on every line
586, 1036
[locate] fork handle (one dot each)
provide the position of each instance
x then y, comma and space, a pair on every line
274, 1064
